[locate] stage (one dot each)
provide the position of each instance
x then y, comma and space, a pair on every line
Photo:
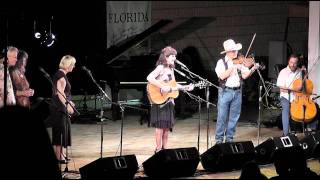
139, 140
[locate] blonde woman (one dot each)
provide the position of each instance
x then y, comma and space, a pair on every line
60, 111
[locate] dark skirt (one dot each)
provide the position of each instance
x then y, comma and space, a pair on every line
162, 117
61, 134
61, 131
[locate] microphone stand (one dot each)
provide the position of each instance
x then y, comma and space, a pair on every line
259, 116
5, 66
199, 100
5, 79
122, 106
182, 74
101, 109
260, 99
208, 83
67, 119
202, 79
207, 90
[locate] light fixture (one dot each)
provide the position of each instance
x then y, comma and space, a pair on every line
37, 34
46, 38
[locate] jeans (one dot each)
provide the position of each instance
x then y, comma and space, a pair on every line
229, 109
285, 115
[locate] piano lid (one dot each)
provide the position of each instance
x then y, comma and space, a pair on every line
179, 31
160, 40
114, 52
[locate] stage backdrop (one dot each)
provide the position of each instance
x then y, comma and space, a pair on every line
126, 18
314, 46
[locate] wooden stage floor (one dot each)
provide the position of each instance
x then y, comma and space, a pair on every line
139, 140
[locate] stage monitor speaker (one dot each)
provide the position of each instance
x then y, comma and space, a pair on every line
311, 145
167, 163
227, 156
118, 167
265, 151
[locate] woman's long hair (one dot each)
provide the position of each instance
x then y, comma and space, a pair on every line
22, 56
166, 52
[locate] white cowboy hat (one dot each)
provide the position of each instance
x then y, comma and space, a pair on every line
230, 45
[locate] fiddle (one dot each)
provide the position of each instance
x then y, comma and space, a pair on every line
247, 62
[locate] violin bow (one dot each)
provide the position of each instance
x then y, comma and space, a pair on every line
254, 36
312, 66
264, 85
307, 73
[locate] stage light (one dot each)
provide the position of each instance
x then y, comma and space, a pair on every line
45, 37
37, 35
48, 39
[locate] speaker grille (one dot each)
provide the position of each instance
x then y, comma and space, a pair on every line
265, 151
118, 167
181, 162
227, 156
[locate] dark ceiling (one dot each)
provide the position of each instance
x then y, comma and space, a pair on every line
80, 31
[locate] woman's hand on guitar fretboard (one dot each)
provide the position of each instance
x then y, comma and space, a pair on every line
189, 87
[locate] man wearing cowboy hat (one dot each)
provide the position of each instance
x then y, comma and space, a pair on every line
230, 92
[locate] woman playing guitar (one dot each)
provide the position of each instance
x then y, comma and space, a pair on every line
162, 81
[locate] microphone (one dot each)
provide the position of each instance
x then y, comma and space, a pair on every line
181, 73
86, 69
44, 72
180, 63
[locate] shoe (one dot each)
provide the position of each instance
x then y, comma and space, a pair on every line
157, 150
218, 142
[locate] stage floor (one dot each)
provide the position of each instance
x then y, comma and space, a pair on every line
139, 140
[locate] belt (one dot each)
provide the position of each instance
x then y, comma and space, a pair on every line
233, 88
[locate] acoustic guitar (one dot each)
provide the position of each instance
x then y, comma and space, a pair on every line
155, 95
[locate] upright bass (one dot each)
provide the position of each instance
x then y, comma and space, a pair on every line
303, 109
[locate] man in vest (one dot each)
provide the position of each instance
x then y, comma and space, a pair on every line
230, 92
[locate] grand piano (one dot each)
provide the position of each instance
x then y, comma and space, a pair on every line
130, 72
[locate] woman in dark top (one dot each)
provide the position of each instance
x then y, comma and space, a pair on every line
20, 83
60, 111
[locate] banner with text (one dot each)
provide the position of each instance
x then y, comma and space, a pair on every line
126, 18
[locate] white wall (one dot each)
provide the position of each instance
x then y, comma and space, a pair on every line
314, 46
237, 20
